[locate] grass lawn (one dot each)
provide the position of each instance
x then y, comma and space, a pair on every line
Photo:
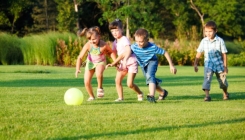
32, 107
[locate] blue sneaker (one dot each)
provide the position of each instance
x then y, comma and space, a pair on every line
151, 99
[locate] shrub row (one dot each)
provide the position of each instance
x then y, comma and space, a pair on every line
63, 48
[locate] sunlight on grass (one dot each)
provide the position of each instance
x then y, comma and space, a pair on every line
33, 107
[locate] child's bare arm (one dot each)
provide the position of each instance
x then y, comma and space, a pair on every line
224, 56
172, 68
198, 55
120, 57
80, 57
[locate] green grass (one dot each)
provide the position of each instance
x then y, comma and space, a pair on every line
32, 107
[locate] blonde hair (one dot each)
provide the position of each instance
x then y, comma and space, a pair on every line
89, 32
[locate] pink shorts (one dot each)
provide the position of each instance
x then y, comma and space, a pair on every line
131, 68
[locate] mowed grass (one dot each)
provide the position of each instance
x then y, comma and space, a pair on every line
32, 107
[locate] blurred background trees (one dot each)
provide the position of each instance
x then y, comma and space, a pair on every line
163, 18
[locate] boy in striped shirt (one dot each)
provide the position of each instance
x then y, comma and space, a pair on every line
145, 53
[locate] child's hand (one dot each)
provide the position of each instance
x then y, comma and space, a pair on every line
124, 64
195, 68
76, 73
226, 70
173, 70
108, 65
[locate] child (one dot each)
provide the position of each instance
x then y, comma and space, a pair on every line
121, 44
145, 53
96, 60
215, 60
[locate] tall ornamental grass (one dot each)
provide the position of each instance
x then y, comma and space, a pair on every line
10, 52
41, 49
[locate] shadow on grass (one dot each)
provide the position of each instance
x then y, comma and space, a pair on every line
108, 81
214, 96
148, 130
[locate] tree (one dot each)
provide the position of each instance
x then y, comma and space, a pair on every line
44, 16
11, 11
66, 15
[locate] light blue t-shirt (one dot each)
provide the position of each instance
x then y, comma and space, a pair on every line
146, 53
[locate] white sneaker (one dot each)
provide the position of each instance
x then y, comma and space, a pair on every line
90, 99
100, 93
140, 97
119, 100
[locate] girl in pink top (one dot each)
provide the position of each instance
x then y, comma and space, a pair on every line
120, 45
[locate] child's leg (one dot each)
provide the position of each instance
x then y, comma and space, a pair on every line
152, 89
88, 74
208, 74
162, 92
130, 83
119, 77
99, 74
221, 77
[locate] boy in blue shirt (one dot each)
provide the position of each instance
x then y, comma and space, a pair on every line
215, 60
145, 53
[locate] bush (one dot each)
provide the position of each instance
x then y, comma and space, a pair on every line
10, 52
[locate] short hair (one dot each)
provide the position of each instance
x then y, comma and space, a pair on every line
89, 32
116, 24
142, 33
211, 24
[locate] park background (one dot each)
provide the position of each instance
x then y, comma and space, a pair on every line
37, 37
43, 32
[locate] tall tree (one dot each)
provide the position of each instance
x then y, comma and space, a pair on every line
44, 15
11, 11
66, 15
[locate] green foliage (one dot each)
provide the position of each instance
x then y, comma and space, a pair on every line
10, 52
44, 16
41, 49
66, 15
67, 53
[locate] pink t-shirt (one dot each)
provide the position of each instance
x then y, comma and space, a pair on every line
120, 48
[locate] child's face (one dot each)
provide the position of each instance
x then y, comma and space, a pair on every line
116, 33
210, 33
94, 39
140, 41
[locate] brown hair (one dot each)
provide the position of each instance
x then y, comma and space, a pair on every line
211, 24
142, 33
89, 32
116, 24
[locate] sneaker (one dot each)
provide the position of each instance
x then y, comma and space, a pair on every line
207, 99
90, 99
119, 100
162, 97
226, 96
151, 99
100, 93
140, 97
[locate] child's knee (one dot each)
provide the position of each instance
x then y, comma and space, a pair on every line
130, 85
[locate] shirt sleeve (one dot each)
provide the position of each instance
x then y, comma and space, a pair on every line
223, 47
159, 50
200, 47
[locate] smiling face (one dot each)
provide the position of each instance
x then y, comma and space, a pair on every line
141, 41
116, 33
210, 33
94, 39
